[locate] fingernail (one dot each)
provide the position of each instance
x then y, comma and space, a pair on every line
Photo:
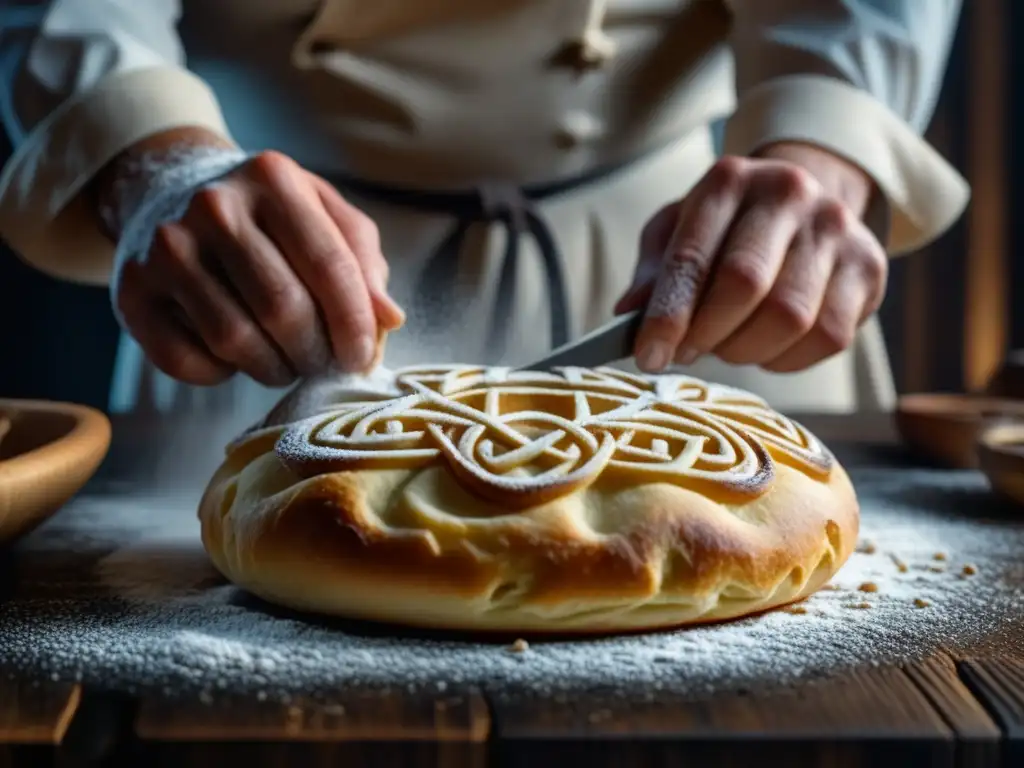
389, 312
397, 309
687, 356
653, 356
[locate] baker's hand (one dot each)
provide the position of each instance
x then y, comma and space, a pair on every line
270, 272
765, 262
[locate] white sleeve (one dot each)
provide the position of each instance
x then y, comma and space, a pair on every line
100, 76
859, 78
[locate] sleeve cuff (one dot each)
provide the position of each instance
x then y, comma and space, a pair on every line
925, 193
42, 216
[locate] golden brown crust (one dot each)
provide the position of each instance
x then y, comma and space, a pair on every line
420, 546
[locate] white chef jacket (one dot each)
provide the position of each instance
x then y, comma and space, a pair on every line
450, 94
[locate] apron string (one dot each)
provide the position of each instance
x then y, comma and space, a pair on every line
516, 207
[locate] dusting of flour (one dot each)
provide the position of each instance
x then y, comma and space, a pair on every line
934, 568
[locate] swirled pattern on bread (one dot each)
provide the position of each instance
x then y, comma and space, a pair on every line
579, 500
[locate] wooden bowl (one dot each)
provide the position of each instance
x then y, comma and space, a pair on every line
1009, 379
48, 452
946, 427
1001, 457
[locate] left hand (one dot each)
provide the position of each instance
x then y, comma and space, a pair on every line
765, 262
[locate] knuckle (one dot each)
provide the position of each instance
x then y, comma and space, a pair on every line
875, 267
791, 312
271, 166
794, 184
325, 266
832, 218
170, 245
832, 335
283, 306
230, 341
219, 205
363, 231
727, 172
746, 275
367, 229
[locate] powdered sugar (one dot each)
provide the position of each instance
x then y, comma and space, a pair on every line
140, 607
677, 287
717, 434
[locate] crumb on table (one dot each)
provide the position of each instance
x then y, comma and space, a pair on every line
799, 610
921, 603
969, 570
861, 606
939, 556
520, 646
868, 586
867, 548
901, 566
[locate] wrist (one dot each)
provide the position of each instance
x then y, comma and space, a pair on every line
841, 179
120, 188
153, 183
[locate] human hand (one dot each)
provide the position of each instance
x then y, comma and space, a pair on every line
270, 272
765, 262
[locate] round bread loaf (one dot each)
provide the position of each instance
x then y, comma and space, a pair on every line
579, 500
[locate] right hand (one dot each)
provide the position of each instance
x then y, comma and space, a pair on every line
270, 272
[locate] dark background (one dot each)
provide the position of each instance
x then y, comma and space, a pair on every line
57, 341
1015, 171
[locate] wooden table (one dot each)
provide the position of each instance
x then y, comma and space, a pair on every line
947, 710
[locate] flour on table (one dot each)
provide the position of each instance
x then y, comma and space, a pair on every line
154, 614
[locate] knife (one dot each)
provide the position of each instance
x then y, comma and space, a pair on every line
611, 342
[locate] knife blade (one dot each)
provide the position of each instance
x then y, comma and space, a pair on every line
611, 342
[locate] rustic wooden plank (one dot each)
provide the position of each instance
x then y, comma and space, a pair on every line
998, 683
36, 712
978, 736
937, 678
857, 719
290, 754
460, 716
386, 728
